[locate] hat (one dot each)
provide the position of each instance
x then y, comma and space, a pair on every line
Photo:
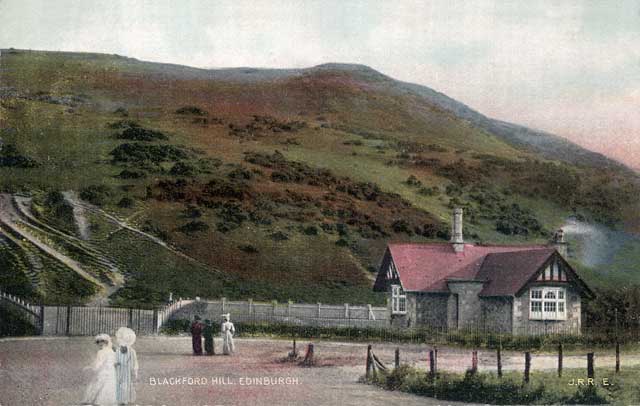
226, 316
125, 336
103, 337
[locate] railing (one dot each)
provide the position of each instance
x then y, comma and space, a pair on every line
31, 312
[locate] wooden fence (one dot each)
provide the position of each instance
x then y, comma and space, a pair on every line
317, 315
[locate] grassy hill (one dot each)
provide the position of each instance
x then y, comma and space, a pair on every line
287, 182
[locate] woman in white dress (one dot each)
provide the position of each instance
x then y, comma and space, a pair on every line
126, 366
102, 387
227, 331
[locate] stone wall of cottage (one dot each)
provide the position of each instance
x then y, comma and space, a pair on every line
523, 325
497, 314
469, 304
432, 309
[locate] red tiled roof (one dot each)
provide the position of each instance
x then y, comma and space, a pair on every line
507, 272
425, 267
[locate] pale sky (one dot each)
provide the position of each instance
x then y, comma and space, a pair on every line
568, 67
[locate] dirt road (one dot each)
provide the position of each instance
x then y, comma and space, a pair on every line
49, 372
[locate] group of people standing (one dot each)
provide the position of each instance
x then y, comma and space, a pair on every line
114, 371
205, 330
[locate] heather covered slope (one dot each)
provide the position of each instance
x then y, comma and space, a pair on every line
292, 181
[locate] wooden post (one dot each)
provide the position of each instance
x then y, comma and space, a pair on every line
435, 358
527, 366
289, 302
319, 310
155, 321
474, 361
397, 363
68, 327
617, 357
559, 360
591, 373
432, 364
130, 320
41, 324
499, 356
224, 303
368, 364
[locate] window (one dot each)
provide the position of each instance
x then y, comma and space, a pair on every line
547, 304
398, 300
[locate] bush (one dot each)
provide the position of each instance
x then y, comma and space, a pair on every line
182, 169
129, 174
141, 134
96, 194
191, 110
194, 227
137, 153
126, 202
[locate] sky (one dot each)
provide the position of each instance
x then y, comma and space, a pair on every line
568, 67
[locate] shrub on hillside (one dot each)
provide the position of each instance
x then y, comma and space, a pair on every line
194, 226
137, 153
96, 194
10, 157
141, 134
191, 110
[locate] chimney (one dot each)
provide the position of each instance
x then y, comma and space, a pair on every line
559, 243
456, 231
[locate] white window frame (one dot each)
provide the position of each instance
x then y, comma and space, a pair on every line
398, 300
549, 301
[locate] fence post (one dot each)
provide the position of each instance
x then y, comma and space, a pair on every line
368, 363
224, 305
591, 373
474, 361
346, 310
318, 310
369, 312
155, 321
435, 358
432, 364
274, 303
617, 356
397, 363
130, 321
499, 355
560, 360
41, 325
250, 305
68, 327
527, 366
289, 308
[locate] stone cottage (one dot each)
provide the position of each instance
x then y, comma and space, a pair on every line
519, 289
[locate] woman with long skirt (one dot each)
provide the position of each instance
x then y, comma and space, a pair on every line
227, 335
102, 387
126, 366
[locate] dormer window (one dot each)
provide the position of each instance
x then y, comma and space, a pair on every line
398, 300
547, 304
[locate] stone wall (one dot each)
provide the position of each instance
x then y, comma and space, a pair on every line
497, 314
469, 307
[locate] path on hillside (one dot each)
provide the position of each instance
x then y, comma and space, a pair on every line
73, 199
9, 217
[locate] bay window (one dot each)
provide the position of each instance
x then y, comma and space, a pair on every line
547, 304
398, 300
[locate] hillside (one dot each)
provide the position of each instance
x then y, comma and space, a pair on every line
279, 184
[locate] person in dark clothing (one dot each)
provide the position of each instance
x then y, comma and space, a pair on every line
209, 347
196, 335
